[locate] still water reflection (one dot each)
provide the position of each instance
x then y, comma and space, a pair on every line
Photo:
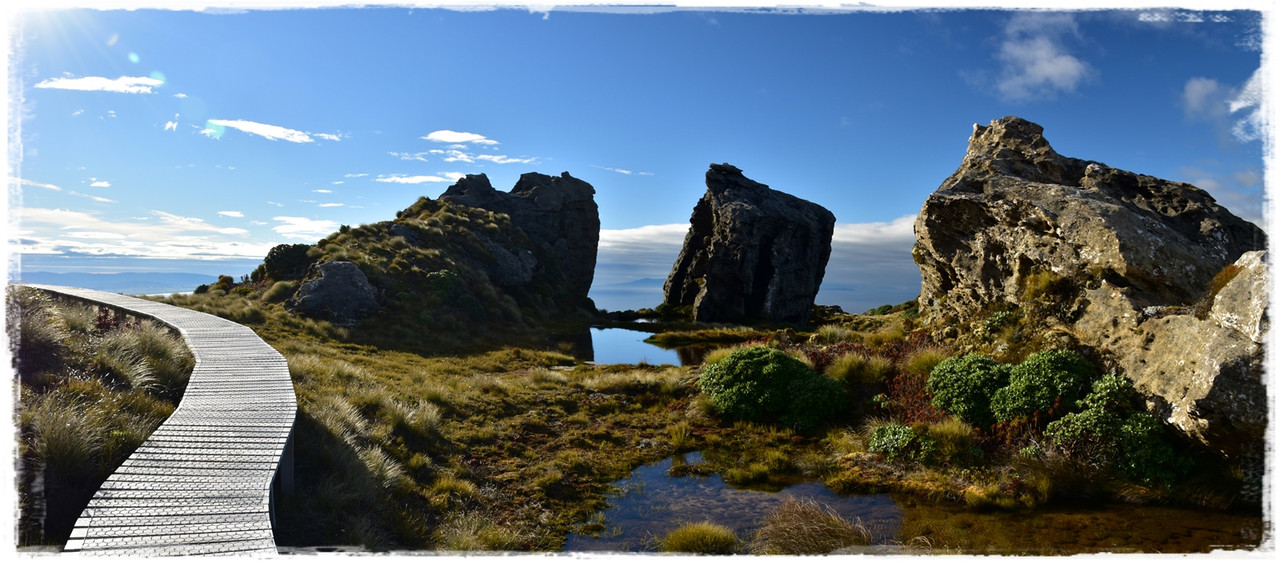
650, 503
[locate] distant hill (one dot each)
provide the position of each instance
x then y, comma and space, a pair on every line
131, 283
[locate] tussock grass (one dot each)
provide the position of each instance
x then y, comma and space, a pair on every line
479, 531
700, 538
804, 526
856, 368
835, 333
923, 360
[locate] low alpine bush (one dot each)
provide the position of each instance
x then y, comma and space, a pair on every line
767, 385
963, 386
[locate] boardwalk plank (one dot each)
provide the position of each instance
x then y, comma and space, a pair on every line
202, 484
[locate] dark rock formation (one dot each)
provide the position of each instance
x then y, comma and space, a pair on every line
336, 291
1134, 251
559, 214
751, 253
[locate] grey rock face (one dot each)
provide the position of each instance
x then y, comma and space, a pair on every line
751, 253
1014, 206
559, 214
336, 291
1015, 209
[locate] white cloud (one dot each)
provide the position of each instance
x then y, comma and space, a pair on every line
1252, 126
60, 231
898, 231
453, 137
418, 156
1205, 99
327, 136
233, 214
123, 84
100, 183
172, 125
48, 186
624, 171
93, 197
332, 204
303, 228
1034, 61
455, 155
1235, 113
272, 132
322, 191
411, 179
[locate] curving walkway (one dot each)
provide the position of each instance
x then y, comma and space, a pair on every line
202, 483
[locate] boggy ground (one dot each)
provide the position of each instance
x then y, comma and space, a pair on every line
510, 449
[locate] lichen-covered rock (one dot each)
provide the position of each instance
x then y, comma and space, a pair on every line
1134, 253
751, 253
1015, 207
559, 214
336, 291
1204, 376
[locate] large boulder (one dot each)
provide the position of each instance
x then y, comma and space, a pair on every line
751, 253
1201, 373
336, 291
1015, 207
1129, 259
559, 214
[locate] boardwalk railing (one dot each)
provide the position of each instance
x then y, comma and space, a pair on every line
202, 483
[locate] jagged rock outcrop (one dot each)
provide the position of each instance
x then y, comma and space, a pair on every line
1133, 252
559, 214
336, 291
1204, 375
1015, 207
751, 253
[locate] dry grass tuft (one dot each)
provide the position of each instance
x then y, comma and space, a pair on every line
804, 526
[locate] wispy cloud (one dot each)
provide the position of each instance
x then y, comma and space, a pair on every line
215, 128
322, 191
1235, 112
1034, 59
232, 214
48, 186
400, 178
100, 183
1252, 126
303, 228
333, 204
456, 137
123, 84
61, 231
624, 171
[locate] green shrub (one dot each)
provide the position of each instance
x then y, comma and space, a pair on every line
700, 538
1110, 433
900, 443
1044, 379
963, 386
764, 384
806, 527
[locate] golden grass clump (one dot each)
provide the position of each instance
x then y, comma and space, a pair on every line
700, 538
804, 526
856, 368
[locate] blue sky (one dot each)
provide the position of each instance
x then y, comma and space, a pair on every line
170, 140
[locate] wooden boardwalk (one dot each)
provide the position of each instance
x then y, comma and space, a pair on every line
202, 483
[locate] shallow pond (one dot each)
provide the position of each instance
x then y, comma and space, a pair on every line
650, 503
620, 345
